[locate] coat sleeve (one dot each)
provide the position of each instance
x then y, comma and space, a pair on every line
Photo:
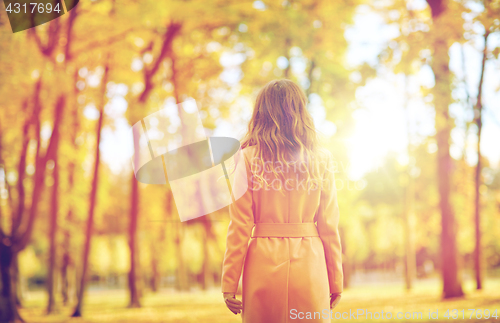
239, 232
327, 222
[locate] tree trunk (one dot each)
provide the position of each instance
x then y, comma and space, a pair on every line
67, 259
34, 121
10, 246
156, 278
442, 99
134, 210
16, 280
155, 274
53, 214
52, 239
8, 308
449, 252
93, 197
207, 281
410, 256
21, 240
477, 203
182, 277
64, 278
170, 34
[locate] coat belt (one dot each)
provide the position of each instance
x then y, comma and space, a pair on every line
285, 230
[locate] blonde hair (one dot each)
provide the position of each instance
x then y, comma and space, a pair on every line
283, 131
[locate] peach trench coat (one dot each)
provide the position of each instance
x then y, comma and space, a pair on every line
283, 276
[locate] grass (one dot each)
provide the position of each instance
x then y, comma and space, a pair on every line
208, 307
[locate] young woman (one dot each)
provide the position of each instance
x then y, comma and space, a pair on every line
292, 267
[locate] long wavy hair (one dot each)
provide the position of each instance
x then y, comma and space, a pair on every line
283, 132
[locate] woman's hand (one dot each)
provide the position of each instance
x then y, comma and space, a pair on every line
232, 303
334, 300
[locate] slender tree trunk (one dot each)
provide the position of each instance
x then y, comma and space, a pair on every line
207, 280
11, 245
170, 34
134, 210
16, 280
93, 198
21, 198
53, 214
21, 172
155, 274
410, 257
29, 122
67, 259
442, 99
64, 277
21, 240
182, 277
52, 239
477, 203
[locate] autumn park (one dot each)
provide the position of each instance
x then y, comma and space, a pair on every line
405, 94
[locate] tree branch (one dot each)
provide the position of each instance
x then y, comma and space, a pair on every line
172, 31
21, 240
100, 43
436, 6
30, 121
71, 22
53, 37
